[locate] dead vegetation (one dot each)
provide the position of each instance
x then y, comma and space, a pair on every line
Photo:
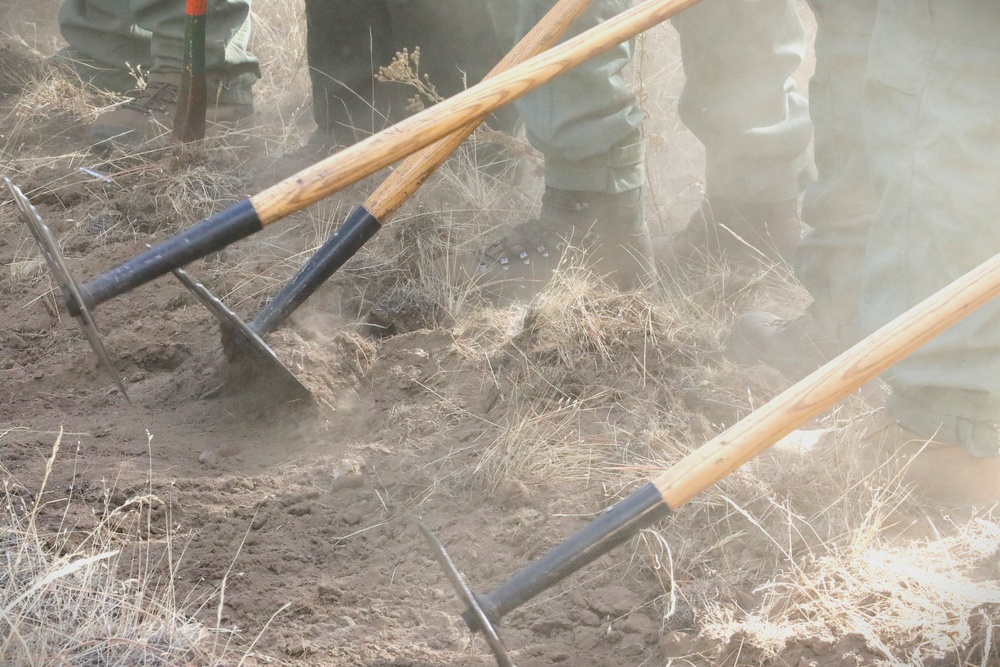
100, 596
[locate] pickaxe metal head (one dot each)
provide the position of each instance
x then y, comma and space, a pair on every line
50, 251
238, 336
468, 598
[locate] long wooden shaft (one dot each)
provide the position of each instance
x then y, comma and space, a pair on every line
750, 436
368, 156
365, 221
415, 170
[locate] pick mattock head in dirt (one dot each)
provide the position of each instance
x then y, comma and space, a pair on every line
50, 251
242, 343
483, 623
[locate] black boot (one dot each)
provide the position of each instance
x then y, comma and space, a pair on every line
610, 229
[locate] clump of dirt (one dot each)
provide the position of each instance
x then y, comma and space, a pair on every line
328, 363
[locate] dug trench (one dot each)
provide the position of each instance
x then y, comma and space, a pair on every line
499, 429
502, 429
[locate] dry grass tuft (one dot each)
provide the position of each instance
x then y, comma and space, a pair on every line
914, 603
580, 372
585, 322
548, 447
908, 601
91, 598
806, 556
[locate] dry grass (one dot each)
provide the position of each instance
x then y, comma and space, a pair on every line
908, 601
99, 596
547, 449
804, 550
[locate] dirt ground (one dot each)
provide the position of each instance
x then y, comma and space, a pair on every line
291, 526
310, 508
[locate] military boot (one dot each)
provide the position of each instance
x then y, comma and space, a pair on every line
150, 111
608, 229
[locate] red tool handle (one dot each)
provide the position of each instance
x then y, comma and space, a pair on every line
189, 120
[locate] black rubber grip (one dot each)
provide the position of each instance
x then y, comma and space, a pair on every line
211, 234
360, 226
621, 521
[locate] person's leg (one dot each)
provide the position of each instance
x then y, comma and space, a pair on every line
346, 43
105, 47
931, 146
837, 207
931, 114
458, 45
741, 102
116, 40
231, 70
586, 123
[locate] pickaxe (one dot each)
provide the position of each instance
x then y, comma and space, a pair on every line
727, 451
244, 342
353, 163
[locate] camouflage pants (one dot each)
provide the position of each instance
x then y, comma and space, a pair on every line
739, 100
908, 150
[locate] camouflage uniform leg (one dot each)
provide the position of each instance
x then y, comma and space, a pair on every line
740, 99
108, 39
586, 122
933, 142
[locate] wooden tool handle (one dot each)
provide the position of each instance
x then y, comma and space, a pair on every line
753, 434
368, 156
189, 118
415, 170
832, 382
365, 221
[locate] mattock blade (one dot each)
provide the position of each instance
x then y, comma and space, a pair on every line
467, 597
254, 351
53, 258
